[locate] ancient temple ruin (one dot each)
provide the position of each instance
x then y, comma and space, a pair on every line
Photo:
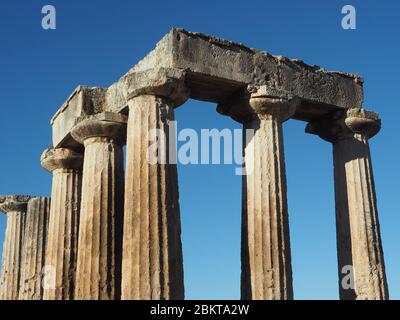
114, 235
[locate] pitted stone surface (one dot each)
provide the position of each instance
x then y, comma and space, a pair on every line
98, 270
34, 248
83, 101
344, 124
357, 222
152, 263
265, 250
15, 207
162, 82
266, 257
13, 203
62, 240
62, 158
107, 124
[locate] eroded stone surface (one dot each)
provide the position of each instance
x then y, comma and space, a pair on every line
358, 232
214, 70
62, 244
33, 253
61, 158
266, 258
98, 273
152, 266
14, 206
82, 102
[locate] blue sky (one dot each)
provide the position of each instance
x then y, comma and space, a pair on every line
98, 41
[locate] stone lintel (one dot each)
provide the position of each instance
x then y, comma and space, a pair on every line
83, 101
214, 70
217, 68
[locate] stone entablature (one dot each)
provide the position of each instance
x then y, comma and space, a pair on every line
214, 69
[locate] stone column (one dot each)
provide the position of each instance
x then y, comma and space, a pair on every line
33, 253
152, 266
360, 254
15, 208
98, 272
266, 258
62, 242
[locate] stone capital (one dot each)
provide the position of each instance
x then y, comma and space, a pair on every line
259, 103
344, 124
14, 203
106, 125
167, 83
61, 158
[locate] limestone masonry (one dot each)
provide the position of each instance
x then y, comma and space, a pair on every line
108, 235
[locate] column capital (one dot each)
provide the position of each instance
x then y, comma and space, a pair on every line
266, 108
14, 203
107, 125
345, 124
167, 83
259, 103
61, 158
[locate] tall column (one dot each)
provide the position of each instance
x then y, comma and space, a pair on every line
98, 272
266, 258
15, 208
358, 233
152, 266
33, 253
62, 242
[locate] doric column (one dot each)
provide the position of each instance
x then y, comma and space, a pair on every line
358, 235
266, 259
152, 266
33, 253
98, 272
62, 242
15, 208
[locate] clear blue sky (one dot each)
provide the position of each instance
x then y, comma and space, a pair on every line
98, 41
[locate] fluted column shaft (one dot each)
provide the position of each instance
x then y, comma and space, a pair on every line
62, 243
152, 265
358, 233
357, 210
15, 207
266, 258
98, 273
12, 254
33, 253
152, 257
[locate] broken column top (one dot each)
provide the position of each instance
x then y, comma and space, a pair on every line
214, 69
18, 203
